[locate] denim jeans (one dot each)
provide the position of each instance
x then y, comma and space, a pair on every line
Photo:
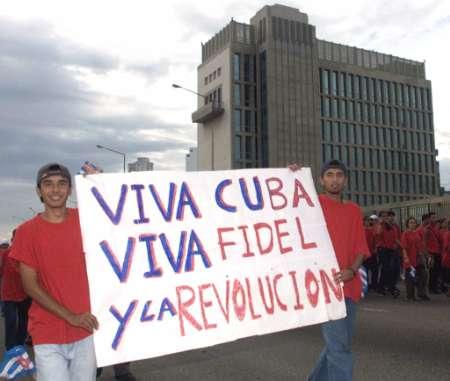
66, 362
336, 362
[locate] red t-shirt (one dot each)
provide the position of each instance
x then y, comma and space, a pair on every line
387, 236
345, 226
413, 245
446, 249
370, 239
12, 289
432, 239
55, 251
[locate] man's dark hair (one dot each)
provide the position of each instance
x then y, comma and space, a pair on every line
334, 164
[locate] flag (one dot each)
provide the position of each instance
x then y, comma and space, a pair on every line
363, 275
16, 363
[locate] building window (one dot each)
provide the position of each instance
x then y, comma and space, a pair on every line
249, 147
237, 120
247, 93
324, 81
246, 67
349, 86
237, 94
341, 87
237, 147
237, 67
356, 86
334, 83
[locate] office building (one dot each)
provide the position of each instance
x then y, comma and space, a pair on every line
273, 93
140, 165
192, 160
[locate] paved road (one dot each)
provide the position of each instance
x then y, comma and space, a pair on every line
395, 340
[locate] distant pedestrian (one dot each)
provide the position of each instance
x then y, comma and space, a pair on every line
387, 240
433, 244
16, 302
371, 263
413, 261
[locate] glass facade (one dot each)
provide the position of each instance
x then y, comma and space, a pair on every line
383, 131
245, 112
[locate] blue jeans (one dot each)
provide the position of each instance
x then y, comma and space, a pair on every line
336, 362
66, 362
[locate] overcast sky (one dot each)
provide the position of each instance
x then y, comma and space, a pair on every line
80, 73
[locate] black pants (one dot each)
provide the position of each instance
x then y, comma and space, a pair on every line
390, 263
16, 319
435, 272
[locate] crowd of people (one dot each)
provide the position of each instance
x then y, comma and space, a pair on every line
419, 255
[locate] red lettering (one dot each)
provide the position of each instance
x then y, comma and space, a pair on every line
299, 193
225, 310
269, 309
222, 243
298, 304
280, 234
327, 283
205, 304
275, 289
257, 228
305, 245
275, 193
238, 293
312, 294
247, 253
183, 312
250, 300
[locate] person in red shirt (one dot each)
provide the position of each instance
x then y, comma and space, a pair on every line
52, 267
387, 240
16, 302
413, 261
345, 227
445, 233
371, 263
433, 244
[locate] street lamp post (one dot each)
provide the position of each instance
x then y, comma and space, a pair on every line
115, 151
174, 85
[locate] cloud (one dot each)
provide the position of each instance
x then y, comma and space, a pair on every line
50, 113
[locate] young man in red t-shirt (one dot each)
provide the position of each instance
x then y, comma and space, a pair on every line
433, 244
387, 237
345, 227
53, 271
413, 261
16, 302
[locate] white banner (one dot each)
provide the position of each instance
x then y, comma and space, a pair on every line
183, 260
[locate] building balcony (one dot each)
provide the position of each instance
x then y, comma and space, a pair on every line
207, 112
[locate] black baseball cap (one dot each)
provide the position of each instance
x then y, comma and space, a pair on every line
53, 169
335, 164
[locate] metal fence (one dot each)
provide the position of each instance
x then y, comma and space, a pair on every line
403, 210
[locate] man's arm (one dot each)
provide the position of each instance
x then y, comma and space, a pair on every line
31, 286
348, 274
